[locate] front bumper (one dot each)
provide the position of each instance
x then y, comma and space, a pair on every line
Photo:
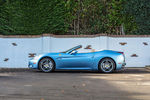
33, 64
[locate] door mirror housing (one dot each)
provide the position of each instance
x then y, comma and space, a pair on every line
74, 52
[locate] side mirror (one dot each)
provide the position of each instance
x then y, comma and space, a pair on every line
74, 52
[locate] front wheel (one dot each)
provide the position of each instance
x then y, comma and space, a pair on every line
106, 65
46, 65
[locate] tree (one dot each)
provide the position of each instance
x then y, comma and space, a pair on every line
33, 17
74, 16
140, 10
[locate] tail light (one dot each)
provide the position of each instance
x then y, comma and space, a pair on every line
121, 52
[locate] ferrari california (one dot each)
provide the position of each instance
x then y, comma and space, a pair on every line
106, 61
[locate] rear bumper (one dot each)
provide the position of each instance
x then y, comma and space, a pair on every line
120, 66
120, 62
123, 65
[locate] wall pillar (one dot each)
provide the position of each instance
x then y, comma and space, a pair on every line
46, 44
103, 41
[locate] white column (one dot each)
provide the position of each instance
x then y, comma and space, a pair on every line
103, 42
46, 44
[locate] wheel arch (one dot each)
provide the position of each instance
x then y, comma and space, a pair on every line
109, 58
46, 57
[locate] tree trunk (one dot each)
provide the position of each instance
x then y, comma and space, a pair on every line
122, 30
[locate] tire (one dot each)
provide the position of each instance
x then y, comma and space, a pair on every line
107, 65
46, 65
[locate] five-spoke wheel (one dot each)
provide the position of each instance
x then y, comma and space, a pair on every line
46, 65
107, 65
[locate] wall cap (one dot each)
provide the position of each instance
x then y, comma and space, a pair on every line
69, 36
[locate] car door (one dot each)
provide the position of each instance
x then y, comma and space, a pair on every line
75, 61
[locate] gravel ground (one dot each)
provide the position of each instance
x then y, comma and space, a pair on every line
26, 84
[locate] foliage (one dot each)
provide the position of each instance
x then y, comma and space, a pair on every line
74, 16
140, 10
33, 17
87, 17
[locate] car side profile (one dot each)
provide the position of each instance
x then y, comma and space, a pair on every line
105, 61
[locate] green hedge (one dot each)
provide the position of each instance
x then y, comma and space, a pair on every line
33, 17
26, 17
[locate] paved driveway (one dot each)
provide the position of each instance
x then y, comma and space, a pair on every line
132, 84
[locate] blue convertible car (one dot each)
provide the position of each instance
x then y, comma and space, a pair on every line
105, 61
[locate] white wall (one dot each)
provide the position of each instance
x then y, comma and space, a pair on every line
18, 54
133, 46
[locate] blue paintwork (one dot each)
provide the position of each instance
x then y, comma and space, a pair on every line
79, 61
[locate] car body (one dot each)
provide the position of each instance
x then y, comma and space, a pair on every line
72, 60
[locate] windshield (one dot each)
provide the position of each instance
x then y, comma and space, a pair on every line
73, 49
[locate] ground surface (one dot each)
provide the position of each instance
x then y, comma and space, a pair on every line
132, 84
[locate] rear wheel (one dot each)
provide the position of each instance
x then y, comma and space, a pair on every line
46, 65
107, 65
